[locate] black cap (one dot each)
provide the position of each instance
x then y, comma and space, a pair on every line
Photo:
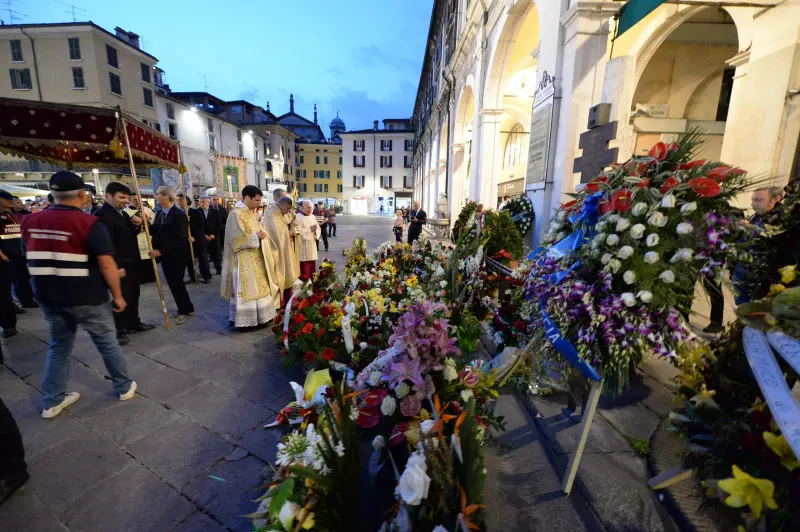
65, 181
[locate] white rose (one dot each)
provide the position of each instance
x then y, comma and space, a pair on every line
426, 426
561, 236
629, 299
668, 201
599, 237
629, 277
625, 252
388, 406
684, 228
443, 284
379, 442
645, 296
466, 395
688, 208
657, 220
682, 255
561, 215
417, 461
606, 258
402, 389
614, 266
450, 374
413, 486
612, 239
639, 209
363, 345
600, 227
651, 257
374, 378
652, 240
623, 224
667, 276
287, 514
612, 218
637, 231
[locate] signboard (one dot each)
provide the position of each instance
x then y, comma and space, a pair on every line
539, 138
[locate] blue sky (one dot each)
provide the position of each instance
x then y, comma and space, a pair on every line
360, 57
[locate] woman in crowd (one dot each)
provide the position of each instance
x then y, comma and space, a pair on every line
331, 221
399, 223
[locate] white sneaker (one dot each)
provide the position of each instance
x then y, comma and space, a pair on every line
53, 411
129, 394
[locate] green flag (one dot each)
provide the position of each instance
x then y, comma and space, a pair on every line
633, 11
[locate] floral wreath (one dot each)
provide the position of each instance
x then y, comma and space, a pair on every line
521, 211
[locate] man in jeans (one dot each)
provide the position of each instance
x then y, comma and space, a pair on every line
71, 262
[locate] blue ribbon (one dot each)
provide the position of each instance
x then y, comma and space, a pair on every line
583, 222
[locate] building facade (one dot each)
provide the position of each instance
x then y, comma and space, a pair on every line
377, 168
507, 87
319, 171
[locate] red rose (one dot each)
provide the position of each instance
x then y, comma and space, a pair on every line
703, 186
328, 354
325, 311
692, 164
321, 333
307, 328
520, 325
669, 184
310, 356
284, 352
316, 299
643, 183
658, 152
299, 318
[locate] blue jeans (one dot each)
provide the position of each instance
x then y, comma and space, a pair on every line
98, 321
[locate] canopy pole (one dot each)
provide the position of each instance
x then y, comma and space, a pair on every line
145, 221
187, 199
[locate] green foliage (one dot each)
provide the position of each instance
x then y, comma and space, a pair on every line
464, 217
503, 234
641, 447
469, 333
470, 472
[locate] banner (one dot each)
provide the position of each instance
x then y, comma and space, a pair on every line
156, 178
230, 175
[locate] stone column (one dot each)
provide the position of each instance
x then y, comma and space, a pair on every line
491, 155
457, 192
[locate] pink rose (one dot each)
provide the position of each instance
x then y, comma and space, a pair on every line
410, 405
469, 378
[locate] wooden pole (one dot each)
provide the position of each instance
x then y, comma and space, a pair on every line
145, 221
586, 423
188, 221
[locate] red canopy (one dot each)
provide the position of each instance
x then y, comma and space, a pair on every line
80, 135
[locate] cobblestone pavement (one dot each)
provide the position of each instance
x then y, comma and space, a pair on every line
188, 453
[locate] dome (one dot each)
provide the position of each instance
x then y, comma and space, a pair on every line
337, 122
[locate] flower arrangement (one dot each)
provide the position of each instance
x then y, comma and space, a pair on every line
521, 210
465, 218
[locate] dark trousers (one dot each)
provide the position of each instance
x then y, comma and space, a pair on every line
8, 314
201, 254
214, 250
717, 300
398, 234
12, 453
324, 235
146, 272
173, 271
413, 234
22, 280
129, 318
331, 229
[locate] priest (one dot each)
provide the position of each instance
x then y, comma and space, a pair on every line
287, 266
249, 279
307, 235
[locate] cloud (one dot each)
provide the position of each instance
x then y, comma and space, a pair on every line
372, 56
336, 71
358, 108
251, 94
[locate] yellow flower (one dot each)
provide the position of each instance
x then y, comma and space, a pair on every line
775, 289
746, 490
780, 446
413, 434
705, 397
788, 274
412, 281
393, 307
424, 415
337, 322
308, 522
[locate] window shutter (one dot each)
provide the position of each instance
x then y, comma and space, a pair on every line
390, 157
354, 145
390, 177
390, 145
354, 159
355, 181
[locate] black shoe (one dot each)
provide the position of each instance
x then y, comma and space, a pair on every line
713, 328
142, 327
11, 484
123, 339
206, 281
8, 333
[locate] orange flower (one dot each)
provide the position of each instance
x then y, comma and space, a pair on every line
307, 328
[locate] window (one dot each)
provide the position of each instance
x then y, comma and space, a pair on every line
212, 142
302, 159
407, 160
170, 111
77, 79
21, 79
325, 160
239, 135
409, 145
386, 145
327, 174
386, 181
358, 181
114, 81
358, 145
74, 49
359, 161
725, 94
338, 174
339, 188
317, 161
210, 125
317, 188
111, 55
173, 131
303, 187
148, 97
241, 150
386, 161
16, 51
325, 187
158, 127
408, 182
340, 159
145, 73
516, 148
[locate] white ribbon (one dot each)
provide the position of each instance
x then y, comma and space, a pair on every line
295, 290
377, 364
347, 334
787, 347
773, 385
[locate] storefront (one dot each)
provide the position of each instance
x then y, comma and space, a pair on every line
510, 189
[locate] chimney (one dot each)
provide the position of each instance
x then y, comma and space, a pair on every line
268, 107
315, 113
127, 36
291, 103
375, 125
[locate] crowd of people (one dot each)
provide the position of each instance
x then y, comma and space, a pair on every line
410, 220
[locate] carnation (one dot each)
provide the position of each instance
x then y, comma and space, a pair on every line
652, 240
668, 201
689, 208
388, 406
623, 224
639, 209
637, 231
606, 258
657, 219
684, 228
651, 257
629, 277
645, 296
625, 252
667, 276
612, 239
629, 299
614, 266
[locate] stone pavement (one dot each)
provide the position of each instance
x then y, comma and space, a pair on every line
188, 453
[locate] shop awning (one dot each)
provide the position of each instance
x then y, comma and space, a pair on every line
23, 192
633, 11
79, 136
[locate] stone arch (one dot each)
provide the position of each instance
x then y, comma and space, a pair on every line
462, 147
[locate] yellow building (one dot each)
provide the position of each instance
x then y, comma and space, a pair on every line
319, 171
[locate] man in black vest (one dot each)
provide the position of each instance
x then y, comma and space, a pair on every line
418, 218
212, 230
171, 243
197, 226
123, 230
